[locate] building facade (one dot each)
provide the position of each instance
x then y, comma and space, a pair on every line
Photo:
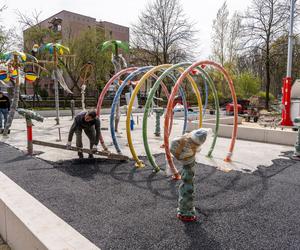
68, 25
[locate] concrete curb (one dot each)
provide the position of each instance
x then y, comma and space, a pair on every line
26, 224
252, 134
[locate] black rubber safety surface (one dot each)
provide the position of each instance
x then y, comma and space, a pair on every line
119, 207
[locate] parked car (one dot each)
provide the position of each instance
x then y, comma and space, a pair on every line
26, 97
30, 97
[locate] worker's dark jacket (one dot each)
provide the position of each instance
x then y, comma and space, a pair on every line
4, 102
80, 124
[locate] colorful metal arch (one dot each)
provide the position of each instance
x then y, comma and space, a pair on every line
119, 92
116, 99
171, 100
148, 103
103, 93
139, 163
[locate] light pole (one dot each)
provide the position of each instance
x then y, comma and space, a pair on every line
287, 81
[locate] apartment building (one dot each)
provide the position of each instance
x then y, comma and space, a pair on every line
69, 25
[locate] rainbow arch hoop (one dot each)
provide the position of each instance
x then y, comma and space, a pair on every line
150, 98
119, 92
104, 92
167, 70
140, 163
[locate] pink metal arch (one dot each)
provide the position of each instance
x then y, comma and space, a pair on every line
103, 93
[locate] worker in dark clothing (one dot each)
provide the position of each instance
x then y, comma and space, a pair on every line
4, 108
90, 124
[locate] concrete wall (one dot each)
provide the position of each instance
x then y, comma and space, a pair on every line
26, 224
224, 120
252, 134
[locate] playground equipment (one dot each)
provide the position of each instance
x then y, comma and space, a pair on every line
150, 72
109, 155
85, 74
297, 145
56, 50
118, 62
287, 81
15, 62
139, 163
158, 113
184, 70
30, 115
184, 149
151, 95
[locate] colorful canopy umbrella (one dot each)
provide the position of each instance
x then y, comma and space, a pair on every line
3, 74
115, 45
61, 49
13, 74
30, 77
22, 57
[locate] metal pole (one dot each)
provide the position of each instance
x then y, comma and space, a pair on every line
59, 135
56, 90
72, 108
29, 136
287, 81
291, 40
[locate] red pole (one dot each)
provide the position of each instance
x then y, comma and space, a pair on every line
29, 136
287, 81
286, 102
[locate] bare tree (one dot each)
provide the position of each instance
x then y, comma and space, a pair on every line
33, 30
220, 31
9, 38
163, 33
33, 33
263, 23
232, 43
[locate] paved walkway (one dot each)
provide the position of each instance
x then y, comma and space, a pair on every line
247, 155
118, 207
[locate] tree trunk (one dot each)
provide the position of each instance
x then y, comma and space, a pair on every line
268, 79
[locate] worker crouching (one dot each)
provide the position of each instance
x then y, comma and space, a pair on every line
90, 124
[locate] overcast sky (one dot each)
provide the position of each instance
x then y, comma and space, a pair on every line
125, 12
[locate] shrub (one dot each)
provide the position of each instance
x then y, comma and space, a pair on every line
246, 84
262, 95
